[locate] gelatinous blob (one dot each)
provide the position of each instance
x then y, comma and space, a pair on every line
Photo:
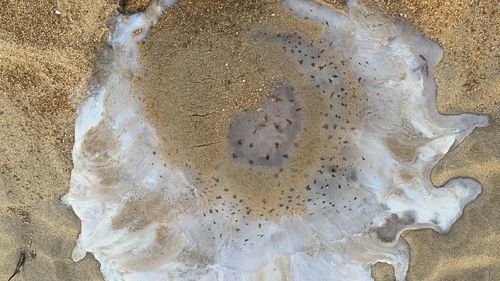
315, 182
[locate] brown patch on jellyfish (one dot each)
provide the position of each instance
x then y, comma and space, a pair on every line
407, 175
266, 136
387, 232
404, 152
214, 79
99, 142
137, 214
98, 145
143, 210
165, 248
207, 72
108, 175
382, 271
157, 210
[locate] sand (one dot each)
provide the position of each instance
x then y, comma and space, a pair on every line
46, 59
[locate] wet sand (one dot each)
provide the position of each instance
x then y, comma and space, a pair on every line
46, 59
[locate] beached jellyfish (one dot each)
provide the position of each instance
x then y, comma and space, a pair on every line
315, 179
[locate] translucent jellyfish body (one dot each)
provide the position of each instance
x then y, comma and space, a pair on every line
315, 181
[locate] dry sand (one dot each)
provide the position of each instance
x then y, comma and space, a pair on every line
45, 60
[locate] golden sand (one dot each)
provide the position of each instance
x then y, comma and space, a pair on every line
48, 50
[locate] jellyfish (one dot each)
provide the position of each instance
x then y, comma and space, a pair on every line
314, 180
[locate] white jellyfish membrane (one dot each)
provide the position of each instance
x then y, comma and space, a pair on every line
144, 220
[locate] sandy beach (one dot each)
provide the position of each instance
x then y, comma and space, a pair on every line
49, 49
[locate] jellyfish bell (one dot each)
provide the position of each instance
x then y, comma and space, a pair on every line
304, 157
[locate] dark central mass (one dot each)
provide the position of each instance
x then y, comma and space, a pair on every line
266, 136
